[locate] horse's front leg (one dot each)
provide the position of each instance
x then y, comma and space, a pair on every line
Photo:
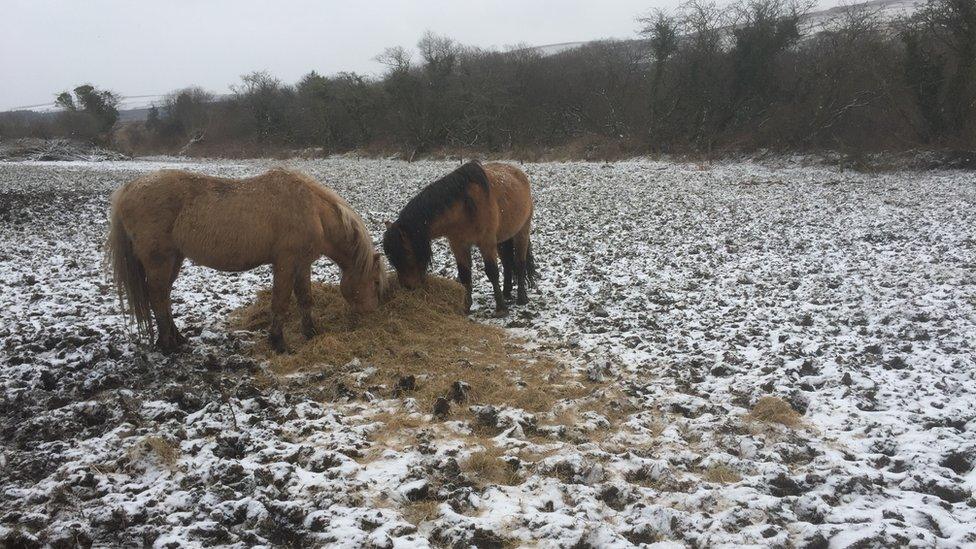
462, 254
282, 286
489, 252
506, 252
303, 294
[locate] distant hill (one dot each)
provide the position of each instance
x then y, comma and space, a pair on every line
131, 108
127, 103
887, 10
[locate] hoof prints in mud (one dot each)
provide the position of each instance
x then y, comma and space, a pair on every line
686, 294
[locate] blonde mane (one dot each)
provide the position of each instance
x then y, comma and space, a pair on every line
354, 229
356, 233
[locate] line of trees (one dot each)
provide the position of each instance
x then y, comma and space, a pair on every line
86, 113
754, 74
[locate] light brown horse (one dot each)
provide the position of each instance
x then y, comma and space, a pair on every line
281, 218
488, 206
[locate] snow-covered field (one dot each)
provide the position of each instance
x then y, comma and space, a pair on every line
691, 291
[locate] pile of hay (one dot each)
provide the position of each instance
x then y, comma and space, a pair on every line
421, 333
770, 409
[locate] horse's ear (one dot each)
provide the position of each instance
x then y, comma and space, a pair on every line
387, 223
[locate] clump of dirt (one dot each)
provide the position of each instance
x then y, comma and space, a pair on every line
419, 343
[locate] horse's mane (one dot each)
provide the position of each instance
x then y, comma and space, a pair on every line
353, 227
424, 208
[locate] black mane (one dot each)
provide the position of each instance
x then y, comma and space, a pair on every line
429, 204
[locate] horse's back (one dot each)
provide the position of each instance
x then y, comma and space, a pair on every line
148, 204
226, 224
512, 195
506, 174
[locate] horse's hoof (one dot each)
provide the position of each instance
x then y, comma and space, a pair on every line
282, 350
167, 347
522, 300
310, 332
277, 344
501, 313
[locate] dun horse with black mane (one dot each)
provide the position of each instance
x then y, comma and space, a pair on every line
280, 218
488, 206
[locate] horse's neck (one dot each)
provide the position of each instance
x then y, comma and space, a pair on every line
446, 224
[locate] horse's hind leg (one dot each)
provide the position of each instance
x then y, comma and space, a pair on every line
462, 254
303, 294
489, 252
282, 286
506, 250
521, 253
159, 276
177, 264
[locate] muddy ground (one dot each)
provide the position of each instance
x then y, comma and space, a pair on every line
681, 293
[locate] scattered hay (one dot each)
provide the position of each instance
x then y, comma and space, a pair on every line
690, 434
531, 457
167, 452
397, 432
610, 402
422, 333
421, 511
655, 427
644, 477
770, 409
566, 417
721, 474
487, 466
397, 422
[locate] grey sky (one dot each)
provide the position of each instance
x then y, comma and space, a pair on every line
140, 48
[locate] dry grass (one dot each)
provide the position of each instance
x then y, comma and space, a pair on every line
531, 457
611, 403
655, 427
167, 452
488, 467
566, 417
690, 434
608, 402
643, 477
770, 409
397, 430
421, 511
421, 332
721, 474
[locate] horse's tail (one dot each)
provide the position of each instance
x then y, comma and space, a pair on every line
128, 273
531, 275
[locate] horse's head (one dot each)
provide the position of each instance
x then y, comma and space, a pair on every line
409, 256
363, 290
